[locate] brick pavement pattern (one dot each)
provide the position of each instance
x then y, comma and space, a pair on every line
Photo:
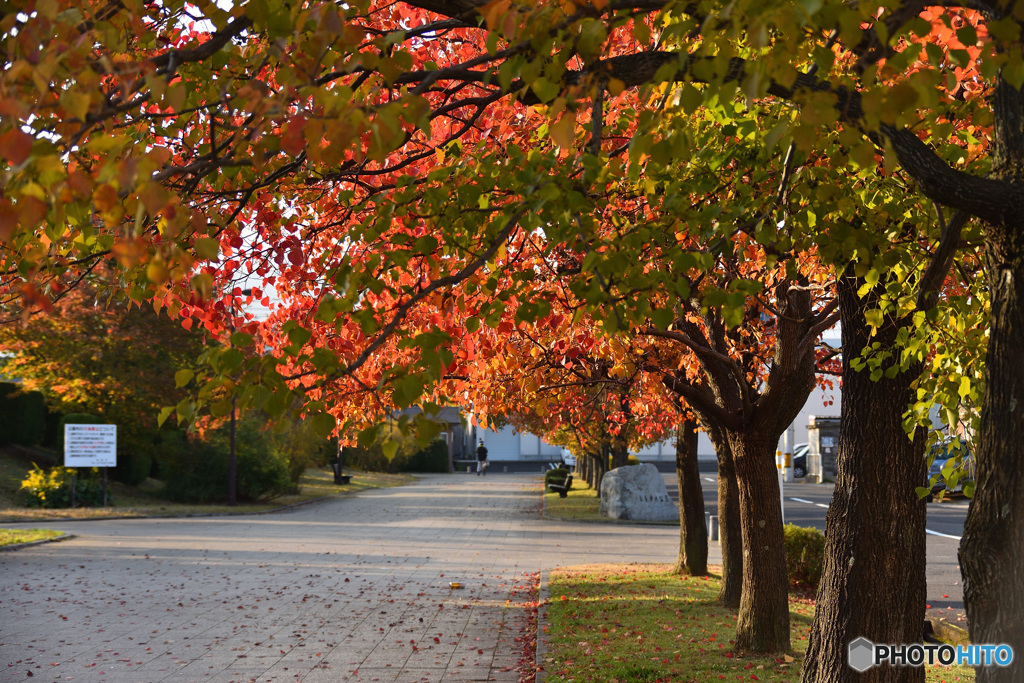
354, 588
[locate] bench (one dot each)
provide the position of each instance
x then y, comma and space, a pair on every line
561, 488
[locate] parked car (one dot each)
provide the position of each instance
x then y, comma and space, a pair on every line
800, 460
943, 457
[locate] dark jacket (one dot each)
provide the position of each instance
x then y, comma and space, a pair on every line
481, 453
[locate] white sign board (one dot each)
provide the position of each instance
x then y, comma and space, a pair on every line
90, 445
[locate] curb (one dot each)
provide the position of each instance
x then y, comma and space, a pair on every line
62, 520
19, 546
542, 616
283, 508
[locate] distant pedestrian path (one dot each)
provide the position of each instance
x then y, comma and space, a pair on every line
355, 588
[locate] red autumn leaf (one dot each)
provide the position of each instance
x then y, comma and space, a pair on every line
15, 146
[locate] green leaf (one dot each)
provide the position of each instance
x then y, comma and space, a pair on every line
207, 248
323, 424
298, 336
390, 449
220, 408
241, 339
874, 317
426, 245
183, 377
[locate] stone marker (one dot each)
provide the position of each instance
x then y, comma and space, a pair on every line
637, 492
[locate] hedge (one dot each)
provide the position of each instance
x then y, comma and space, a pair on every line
22, 416
805, 554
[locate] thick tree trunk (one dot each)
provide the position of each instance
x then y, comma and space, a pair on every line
992, 549
763, 622
693, 532
730, 536
873, 579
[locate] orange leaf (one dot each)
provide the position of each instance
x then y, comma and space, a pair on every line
494, 11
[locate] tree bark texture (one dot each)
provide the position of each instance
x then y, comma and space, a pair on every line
730, 536
873, 583
992, 549
763, 622
693, 531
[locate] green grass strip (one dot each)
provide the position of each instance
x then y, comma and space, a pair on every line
642, 624
16, 536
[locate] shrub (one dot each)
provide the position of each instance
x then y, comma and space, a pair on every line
370, 459
433, 458
197, 471
805, 553
52, 488
54, 430
298, 444
557, 475
22, 415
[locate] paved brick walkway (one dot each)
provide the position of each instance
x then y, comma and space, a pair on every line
350, 589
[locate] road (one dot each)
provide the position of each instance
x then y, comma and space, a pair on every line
354, 588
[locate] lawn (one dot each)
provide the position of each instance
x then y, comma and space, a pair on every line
639, 623
15, 536
145, 500
581, 504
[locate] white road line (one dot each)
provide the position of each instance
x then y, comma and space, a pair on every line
801, 500
936, 533
709, 479
821, 505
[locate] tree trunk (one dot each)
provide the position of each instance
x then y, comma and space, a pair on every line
992, 549
763, 621
619, 454
873, 579
598, 466
693, 532
730, 537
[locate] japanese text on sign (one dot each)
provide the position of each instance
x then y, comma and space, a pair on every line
90, 445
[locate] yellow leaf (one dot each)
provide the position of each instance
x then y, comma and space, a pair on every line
563, 132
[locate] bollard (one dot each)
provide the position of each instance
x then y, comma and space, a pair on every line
504, 469
712, 528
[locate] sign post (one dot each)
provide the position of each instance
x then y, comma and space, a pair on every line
90, 446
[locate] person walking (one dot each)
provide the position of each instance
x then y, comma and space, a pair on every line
481, 459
